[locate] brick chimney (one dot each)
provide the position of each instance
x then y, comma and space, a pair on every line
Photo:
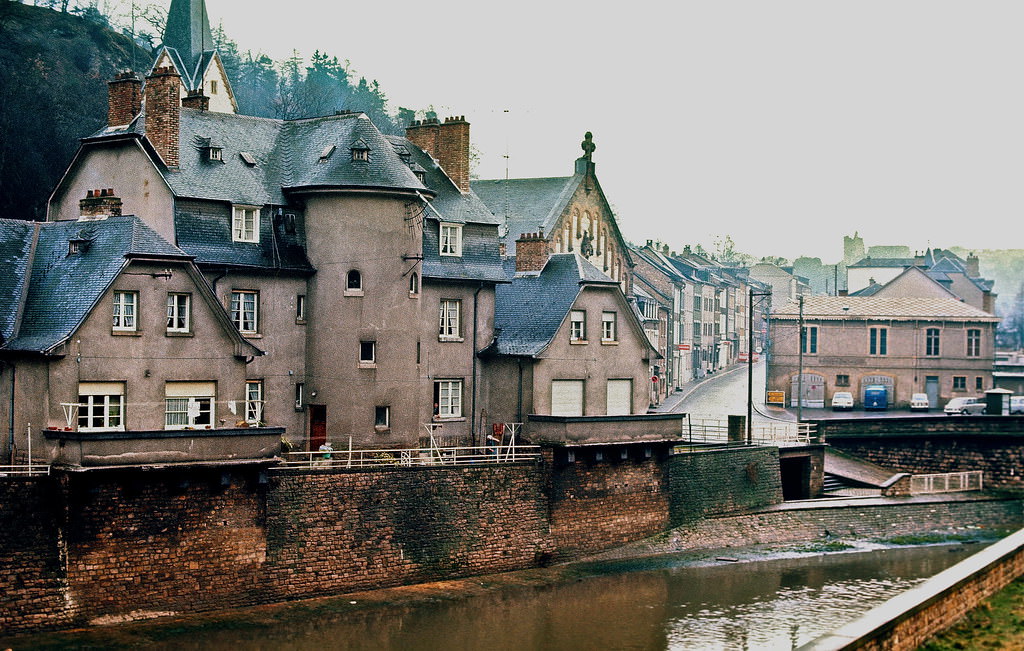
448, 143
163, 113
531, 252
124, 98
973, 266
99, 203
196, 100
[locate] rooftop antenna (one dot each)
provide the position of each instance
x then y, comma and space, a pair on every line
506, 112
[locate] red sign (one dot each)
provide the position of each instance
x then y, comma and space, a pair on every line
683, 347
742, 357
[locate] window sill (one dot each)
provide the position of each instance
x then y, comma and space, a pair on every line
609, 342
414, 294
578, 342
126, 333
175, 333
352, 292
382, 429
251, 335
450, 339
449, 419
300, 322
367, 365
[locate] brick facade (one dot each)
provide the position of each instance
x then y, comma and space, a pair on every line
448, 143
743, 479
531, 252
124, 96
163, 113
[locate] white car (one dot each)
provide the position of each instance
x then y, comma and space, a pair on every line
842, 400
1017, 404
964, 406
920, 402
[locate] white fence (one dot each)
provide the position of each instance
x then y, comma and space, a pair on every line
408, 457
716, 431
949, 482
25, 470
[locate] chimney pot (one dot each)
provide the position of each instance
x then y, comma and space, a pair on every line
531, 252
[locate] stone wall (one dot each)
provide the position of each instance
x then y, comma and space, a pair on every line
743, 479
992, 444
599, 500
31, 572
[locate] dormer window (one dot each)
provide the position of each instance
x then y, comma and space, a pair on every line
326, 152
421, 174
76, 246
360, 151
247, 158
451, 239
210, 150
245, 224
215, 154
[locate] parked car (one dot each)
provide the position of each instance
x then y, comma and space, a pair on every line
842, 400
964, 406
920, 402
1017, 404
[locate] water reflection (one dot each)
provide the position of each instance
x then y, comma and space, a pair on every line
654, 604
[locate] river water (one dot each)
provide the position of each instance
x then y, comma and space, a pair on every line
665, 602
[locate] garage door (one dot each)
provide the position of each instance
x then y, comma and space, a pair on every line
567, 397
620, 397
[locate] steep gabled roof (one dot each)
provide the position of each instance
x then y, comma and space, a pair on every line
63, 288
527, 205
529, 310
187, 33
16, 239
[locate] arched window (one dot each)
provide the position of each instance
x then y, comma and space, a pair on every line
355, 280
414, 283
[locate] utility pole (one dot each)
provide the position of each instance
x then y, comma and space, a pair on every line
800, 376
750, 360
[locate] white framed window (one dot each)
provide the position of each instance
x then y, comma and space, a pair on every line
649, 309
450, 328
451, 239
382, 417
609, 330
189, 404
577, 325
254, 402
300, 396
448, 399
353, 283
300, 308
126, 311
245, 224
367, 353
245, 310
878, 341
809, 340
973, 342
179, 312
414, 284
100, 406
215, 154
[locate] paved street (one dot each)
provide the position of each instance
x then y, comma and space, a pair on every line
725, 392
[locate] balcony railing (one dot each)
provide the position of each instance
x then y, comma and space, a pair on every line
25, 470
948, 482
411, 457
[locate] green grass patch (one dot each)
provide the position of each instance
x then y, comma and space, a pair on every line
931, 538
997, 623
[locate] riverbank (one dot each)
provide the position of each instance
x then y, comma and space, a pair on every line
998, 623
363, 610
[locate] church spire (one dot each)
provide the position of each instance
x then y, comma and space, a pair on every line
188, 31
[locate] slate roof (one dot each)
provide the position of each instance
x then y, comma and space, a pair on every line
15, 244
890, 309
63, 288
527, 205
188, 38
529, 310
882, 262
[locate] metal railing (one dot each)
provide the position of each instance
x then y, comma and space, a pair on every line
408, 457
947, 482
25, 470
716, 431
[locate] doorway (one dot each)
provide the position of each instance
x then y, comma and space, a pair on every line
317, 426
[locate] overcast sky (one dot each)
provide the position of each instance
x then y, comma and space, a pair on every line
785, 125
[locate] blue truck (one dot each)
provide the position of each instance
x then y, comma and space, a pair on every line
876, 396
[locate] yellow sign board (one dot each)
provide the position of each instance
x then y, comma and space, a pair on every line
775, 398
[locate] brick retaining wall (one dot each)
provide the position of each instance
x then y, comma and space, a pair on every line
742, 479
